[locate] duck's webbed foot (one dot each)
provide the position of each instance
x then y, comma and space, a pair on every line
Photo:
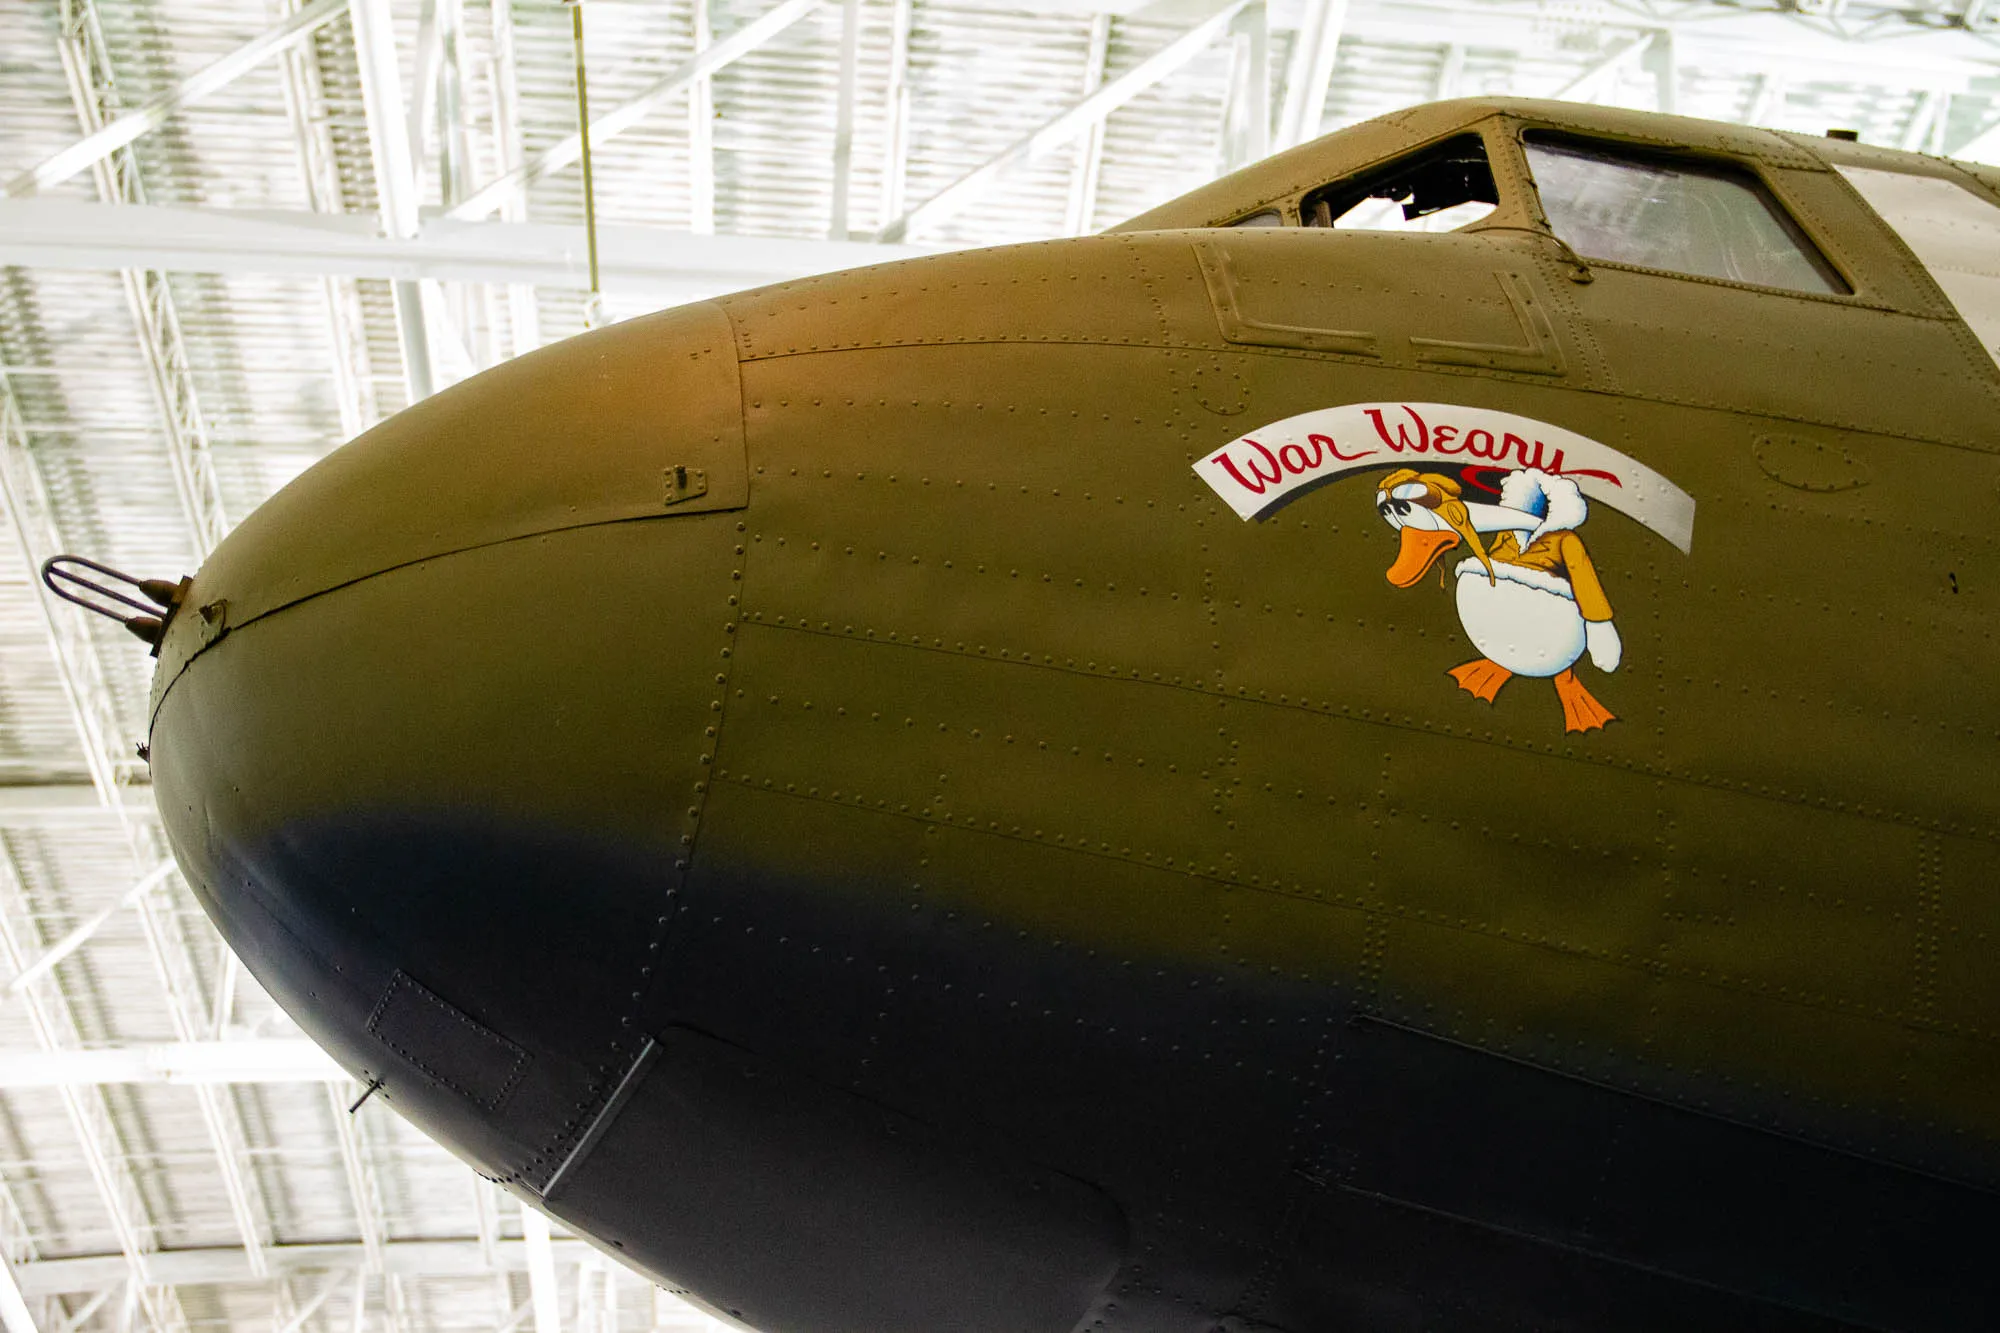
1581, 711
1481, 678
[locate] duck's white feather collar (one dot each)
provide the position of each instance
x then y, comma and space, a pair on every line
1521, 574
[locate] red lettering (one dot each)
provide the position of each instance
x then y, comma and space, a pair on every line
1589, 472
1475, 448
1483, 476
1326, 442
1442, 437
1263, 478
1402, 439
1535, 459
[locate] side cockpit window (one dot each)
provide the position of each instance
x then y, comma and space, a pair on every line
1702, 218
1442, 188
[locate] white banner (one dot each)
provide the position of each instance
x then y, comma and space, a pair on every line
1256, 473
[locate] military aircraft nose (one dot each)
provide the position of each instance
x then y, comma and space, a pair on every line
431, 733
634, 421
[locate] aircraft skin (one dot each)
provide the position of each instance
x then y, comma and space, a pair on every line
824, 792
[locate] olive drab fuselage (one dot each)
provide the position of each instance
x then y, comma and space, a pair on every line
831, 793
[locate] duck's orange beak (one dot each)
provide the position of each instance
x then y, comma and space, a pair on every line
1420, 550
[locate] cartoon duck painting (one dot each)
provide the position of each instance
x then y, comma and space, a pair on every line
1528, 595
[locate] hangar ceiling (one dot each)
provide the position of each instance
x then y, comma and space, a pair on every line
236, 233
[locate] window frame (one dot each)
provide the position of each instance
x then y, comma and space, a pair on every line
1358, 187
1803, 224
1516, 211
1285, 214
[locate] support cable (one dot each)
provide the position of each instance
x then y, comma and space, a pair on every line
593, 304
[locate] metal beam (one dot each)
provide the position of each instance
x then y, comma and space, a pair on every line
250, 1060
395, 179
78, 937
86, 63
1983, 146
896, 101
227, 1266
1451, 68
843, 118
174, 959
24, 497
72, 805
1582, 84
1925, 118
354, 1164
425, 93
1714, 37
55, 1029
26, 502
486, 1207
17, 1245
597, 1295
31, 518
1901, 47
388, 124
340, 301
569, 150
229, 970
1665, 62
455, 169
1066, 124
14, 1314
1934, 141
115, 134
541, 1270
1089, 167
156, 318
701, 129
311, 1307
1767, 100
89, 1308
1246, 133
64, 233
524, 321
1315, 48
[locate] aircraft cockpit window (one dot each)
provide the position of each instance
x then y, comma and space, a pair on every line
1700, 218
1270, 217
1440, 189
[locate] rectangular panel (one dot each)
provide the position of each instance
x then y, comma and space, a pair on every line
1952, 231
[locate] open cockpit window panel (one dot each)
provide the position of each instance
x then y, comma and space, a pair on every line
1265, 217
1441, 188
1708, 219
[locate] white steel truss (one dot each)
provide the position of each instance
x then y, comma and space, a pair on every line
96, 1133
31, 519
320, 169
116, 133
653, 261
1089, 166
1067, 123
568, 151
155, 315
229, 1061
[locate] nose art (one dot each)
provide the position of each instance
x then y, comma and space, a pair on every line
431, 736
